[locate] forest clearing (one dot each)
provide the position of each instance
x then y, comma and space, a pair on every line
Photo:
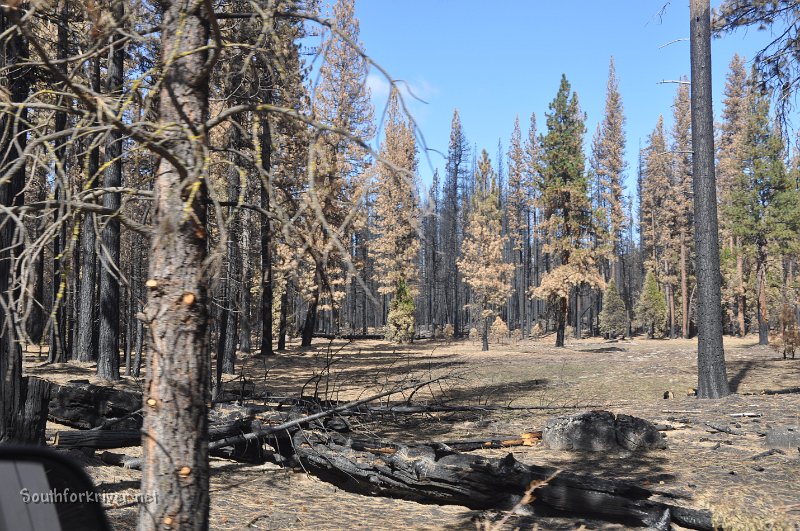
298, 264
628, 376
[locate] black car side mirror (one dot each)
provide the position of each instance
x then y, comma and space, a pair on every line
41, 490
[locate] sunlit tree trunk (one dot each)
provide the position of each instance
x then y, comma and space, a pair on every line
176, 395
712, 376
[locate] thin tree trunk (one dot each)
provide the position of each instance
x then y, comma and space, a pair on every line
684, 287
712, 376
226, 350
671, 298
84, 346
741, 295
365, 258
58, 347
485, 334
175, 432
129, 322
283, 317
36, 319
108, 341
578, 314
266, 245
761, 281
245, 330
310, 324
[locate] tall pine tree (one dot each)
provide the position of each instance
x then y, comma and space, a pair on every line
566, 208
482, 264
396, 242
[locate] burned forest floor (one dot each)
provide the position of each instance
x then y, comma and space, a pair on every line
724, 467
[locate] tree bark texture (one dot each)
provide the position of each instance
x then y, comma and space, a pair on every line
176, 395
712, 376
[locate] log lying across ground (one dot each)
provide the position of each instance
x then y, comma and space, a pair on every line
107, 439
85, 406
437, 474
97, 439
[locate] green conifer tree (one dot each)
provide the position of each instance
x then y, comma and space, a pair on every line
730, 165
613, 317
400, 322
763, 207
565, 205
651, 310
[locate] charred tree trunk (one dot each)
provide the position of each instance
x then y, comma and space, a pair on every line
84, 344
671, 299
684, 286
283, 317
485, 333
108, 340
245, 330
226, 358
266, 242
13, 134
761, 282
741, 297
37, 183
36, 320
58, 347
310, 324
367, 274
712, 377
176, 396
561, 320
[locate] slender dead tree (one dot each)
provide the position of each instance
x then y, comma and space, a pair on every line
266, 244
108, 341
85, 346
712, 380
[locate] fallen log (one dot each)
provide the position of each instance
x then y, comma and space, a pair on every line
723, 429
85, 406
97, 439
771, 451
524, 439
108, 439
436, 474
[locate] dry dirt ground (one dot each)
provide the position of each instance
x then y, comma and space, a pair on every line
705, 467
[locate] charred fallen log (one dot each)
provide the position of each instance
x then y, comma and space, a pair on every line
86, 406
437, 474
107, 439
97, 439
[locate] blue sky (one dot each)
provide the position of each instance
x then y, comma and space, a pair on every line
496, 60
